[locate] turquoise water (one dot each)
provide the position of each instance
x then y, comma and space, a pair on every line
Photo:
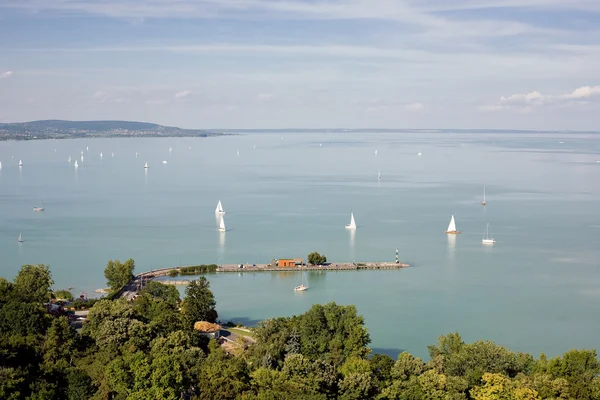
536, 290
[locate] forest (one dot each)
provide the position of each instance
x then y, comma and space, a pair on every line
148, 349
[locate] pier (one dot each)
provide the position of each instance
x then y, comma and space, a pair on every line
132, 288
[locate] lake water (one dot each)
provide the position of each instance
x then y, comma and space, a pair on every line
536, 290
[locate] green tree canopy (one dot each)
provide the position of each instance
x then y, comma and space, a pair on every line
32, 283
199, 303
316, 258
118, 274
63, 295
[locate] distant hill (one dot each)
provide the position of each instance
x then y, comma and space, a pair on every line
59, 129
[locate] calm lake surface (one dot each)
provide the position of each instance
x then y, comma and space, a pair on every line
536, 290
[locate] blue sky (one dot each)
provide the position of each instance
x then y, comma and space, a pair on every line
522, 64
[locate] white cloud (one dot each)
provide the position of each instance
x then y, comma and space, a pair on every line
534, 97
584, 92
264, 96
6, 75
101, 96
414, 106
183, 94
527, 102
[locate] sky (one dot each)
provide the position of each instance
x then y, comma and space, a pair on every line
233, 64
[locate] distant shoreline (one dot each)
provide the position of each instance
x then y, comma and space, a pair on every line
60, 129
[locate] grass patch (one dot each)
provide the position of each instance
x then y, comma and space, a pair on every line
198, 269
241, 332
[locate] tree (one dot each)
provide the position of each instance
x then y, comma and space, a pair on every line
119, 274
63, 295
60, 342
199, 303
33, 282
222, 376
315, 258
157, 290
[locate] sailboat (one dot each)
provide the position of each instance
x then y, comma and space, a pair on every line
20, 239
378, 175
302, 286
37, 209
20, 163
170, 149
452, 227
222, 225
146, 165
486, 237
69, 160
101, 155
81, 158
76, 165
0, 164
375, 151
352, 224
483, 203
219, 209
238, 152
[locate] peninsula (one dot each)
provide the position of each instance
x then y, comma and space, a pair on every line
60, 129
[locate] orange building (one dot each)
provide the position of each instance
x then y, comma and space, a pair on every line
289, 262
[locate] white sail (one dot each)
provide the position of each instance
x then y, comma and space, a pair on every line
69, 160
219, 209
81, 158
452, 225
170, 149
76, 165
222, 225
238, 152
146, 165
101, 155
0, 164
486, 236
20, 163
20, 239
352, 224
379, 175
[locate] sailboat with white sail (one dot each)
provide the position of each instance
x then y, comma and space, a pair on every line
302, 287
222, 225
20, 163
486, 236
146, 165
483, 203
69, 160
219, 209
378, 175
452, 227
76, 165
20, 238
352, 224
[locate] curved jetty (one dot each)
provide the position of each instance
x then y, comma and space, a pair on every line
132, 288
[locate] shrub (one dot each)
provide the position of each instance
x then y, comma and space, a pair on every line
198, 269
